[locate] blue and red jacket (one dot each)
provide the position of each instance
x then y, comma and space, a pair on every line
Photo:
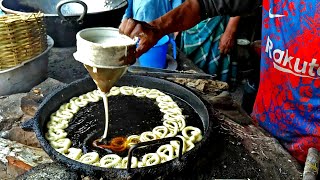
288, 99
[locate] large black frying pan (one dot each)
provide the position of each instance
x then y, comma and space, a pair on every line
127, 116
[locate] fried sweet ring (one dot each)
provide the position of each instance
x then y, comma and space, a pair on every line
126, 90
74, 153
164, 98
151, 159
154, 93
160, 131
192, 133
172, 126
147, 136
89, 158
55, 134
140, 91
79, 102
63, 124
61, 145
176, 145
72, 108
166, 152
110, 161
124, 162
114, 91
162, 105
133, 139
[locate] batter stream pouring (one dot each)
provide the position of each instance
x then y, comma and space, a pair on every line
106, 54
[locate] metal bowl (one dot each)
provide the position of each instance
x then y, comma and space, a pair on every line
64, 18
23, 77
70, 7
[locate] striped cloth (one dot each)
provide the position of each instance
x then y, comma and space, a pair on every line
201, 43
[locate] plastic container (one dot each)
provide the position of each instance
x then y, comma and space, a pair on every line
23, 77
156, 57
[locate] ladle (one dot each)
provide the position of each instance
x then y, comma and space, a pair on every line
106, 54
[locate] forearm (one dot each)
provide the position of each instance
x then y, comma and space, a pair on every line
232, 25
191, 12
179, 19
211, 8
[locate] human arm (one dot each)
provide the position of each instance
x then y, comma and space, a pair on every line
181, 18
227, 39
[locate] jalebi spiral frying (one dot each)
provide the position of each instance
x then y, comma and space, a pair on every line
172, 127
133, 139
74, 153
126, 90
151, 159
110, 161
114, 91
160, 131
140, 92
89, 158
164, 98
55, 134
192, 133
154, 93
173, 123
124, 162
176, 144
166, 153
163, 105
147, 136
61, 145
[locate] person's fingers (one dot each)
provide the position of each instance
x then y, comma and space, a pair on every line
140, 50
130, 25
221, 48
144, 46
122, 26
138, 32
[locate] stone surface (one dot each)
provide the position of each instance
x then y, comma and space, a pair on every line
18, 108
24, 137
21, 156
10, 111
3, 172
30, 102
16, 167
266, 150
52, 171
30, 155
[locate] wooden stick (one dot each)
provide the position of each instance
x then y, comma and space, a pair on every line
311, 167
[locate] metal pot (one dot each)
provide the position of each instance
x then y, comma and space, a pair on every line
23, 77
64, 18
168, 170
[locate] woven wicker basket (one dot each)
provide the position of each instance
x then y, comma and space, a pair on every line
22, 37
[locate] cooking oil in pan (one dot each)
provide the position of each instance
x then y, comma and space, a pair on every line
128, 115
